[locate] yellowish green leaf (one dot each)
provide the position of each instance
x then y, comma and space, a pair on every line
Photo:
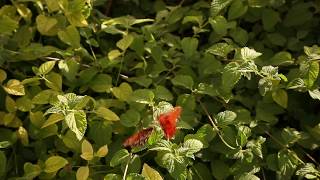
53, 118
103, 151
82, 173
14, 87
54, 163
87, 150
149, 173
107, 114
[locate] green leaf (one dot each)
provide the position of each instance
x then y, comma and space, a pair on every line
76, 18
130, 118
113, 54
52, 5
220, 49
208, 89
270, 18
230, 76
308, 171
102, 151
237, 9
141, 80
54, 81
257, 3
219, 25
77, 123
183, 80
281, 58
107, 114
313, 52
101, 83
192, 146
256, 146
70, 36
280, 97
46, 67
298, 14
100, 132
168, 162
290, 136
44, 97
149, 173
277, 39
287, 162
3, 164
14, 87
82, 173
125, 42
163, 93
123, 92
112, 177
54, 163
119, 157
144, 96
217, 5
23, 136
53, 118
314, 94
193, 19
201, 171
240, 36
310, 71
5, 144
248, 54
7, 25
31, 170
69, 68
24, 104
11, 105
248, 177
225, 118
47, 25
86, 150
3, 75
135, 176
189, 46
219, 169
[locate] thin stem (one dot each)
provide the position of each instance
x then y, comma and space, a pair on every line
170, 70
127, 166
284, 146
108, 8
120, 69
213, 122
93, 54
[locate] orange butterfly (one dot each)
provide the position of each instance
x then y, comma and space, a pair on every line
138, 139
168, 121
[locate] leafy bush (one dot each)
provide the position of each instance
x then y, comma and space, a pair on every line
79, 77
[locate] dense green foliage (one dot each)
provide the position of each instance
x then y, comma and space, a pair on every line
80, 76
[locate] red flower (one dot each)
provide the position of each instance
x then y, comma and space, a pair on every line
168, 121
138, 139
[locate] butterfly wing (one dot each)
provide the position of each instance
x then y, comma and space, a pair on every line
138, 139
168, 121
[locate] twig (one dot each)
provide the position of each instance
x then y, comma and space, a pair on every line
213, 122
126, 169
108, 8
284, 146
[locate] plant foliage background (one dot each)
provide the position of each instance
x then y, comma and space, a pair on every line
80, 76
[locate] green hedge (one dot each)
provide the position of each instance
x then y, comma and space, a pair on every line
78, 77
